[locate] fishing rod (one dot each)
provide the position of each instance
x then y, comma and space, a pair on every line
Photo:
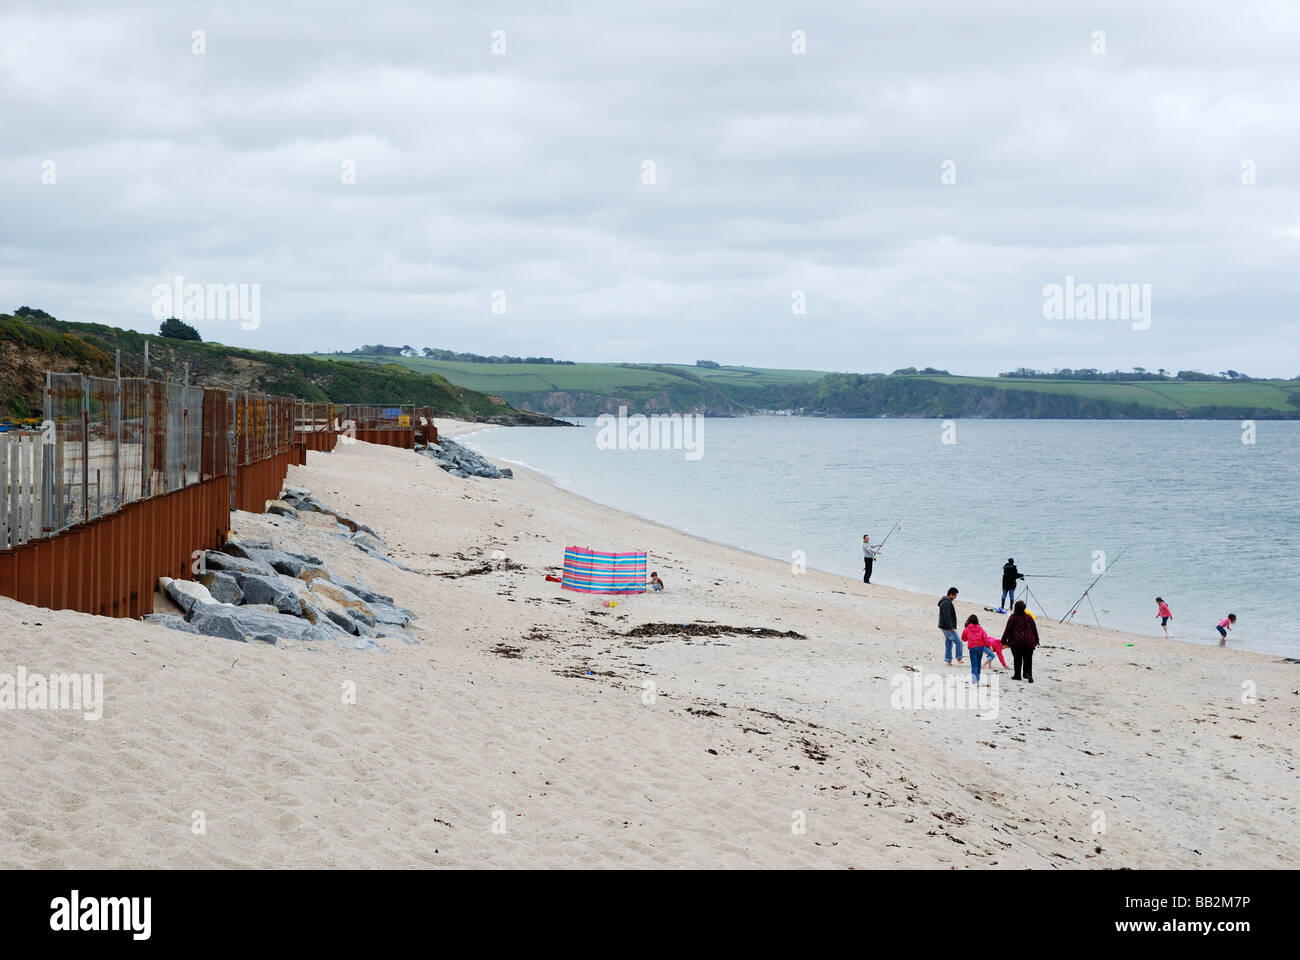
897, 526
1074, 607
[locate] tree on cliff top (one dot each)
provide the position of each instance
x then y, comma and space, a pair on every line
175, 329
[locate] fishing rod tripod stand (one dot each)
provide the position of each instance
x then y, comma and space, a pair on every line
1032, 596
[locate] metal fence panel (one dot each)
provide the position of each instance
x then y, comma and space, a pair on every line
174, 439
133, 458
192, 397
103, 430
109, 442
65, 402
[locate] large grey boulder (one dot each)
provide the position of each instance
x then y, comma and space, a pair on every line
267, 608
239, 623
273, 589
310, 573
283, 563
186, 594
314, 614
356, 608
245, 548
388, 614
368, 540
336, 614
219, 623
219, 560
222, 586
172, 621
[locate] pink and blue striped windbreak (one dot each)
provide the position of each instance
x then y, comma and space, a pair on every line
591, 571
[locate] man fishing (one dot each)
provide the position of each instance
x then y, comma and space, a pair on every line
1009, 577
868, 557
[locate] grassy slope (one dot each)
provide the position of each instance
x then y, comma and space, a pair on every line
500, 378
588, 388
89, 348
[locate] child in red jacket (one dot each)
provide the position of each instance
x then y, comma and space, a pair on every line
1163, 614
977, 640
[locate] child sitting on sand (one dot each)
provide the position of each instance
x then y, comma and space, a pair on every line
1224, 626
975, 638
1163, 614
655, 583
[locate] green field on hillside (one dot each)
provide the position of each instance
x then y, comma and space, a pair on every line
503, 378
1164, 394
582, 389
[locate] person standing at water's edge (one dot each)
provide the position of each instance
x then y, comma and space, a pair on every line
1009, 577
1224, 626
1163, 614
948, 626
868, 557
1021, 635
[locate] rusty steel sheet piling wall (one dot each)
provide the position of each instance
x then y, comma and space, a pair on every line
129, 479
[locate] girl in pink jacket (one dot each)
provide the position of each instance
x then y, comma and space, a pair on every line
1163, 614
977, 641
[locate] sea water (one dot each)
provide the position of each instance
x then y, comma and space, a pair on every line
1184, 510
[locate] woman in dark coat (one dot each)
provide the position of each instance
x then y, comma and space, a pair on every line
1021, 635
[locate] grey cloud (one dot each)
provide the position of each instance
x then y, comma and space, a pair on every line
774, 172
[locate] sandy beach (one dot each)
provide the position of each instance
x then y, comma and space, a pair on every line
527, 729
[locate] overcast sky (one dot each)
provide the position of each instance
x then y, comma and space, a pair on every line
773, 172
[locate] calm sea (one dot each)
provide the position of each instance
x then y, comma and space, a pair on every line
1184, 510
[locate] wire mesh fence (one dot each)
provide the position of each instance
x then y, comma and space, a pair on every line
103, 427
264, 425
133, 456
108, 442
402, 425
315, 417
65, 494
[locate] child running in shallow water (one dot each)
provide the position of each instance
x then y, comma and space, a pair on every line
977, 642
1224, 626
1163, 614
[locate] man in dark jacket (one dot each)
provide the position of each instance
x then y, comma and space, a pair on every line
1021, 635
948, 626
1009, 577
